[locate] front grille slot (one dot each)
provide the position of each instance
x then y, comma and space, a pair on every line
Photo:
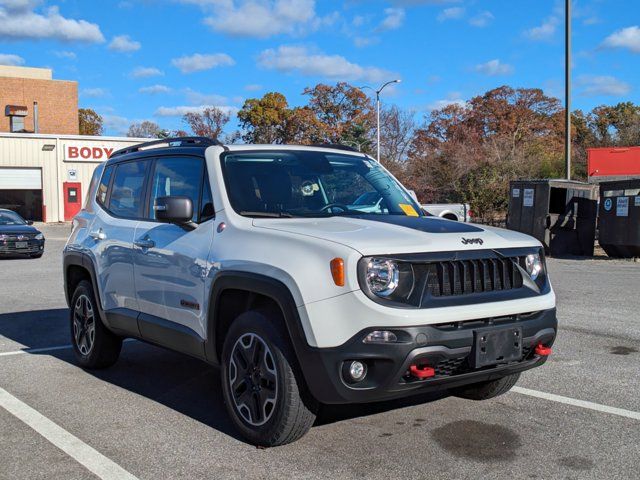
463, 277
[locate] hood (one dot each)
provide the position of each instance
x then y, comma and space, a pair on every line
10, 229
394, 234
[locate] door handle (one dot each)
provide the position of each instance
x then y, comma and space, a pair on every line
98, 235
145, 243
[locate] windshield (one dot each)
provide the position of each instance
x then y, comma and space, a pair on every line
10, 218
312, 184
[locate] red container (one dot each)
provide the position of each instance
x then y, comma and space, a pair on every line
613, 162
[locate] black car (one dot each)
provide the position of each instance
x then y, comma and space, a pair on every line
18, 236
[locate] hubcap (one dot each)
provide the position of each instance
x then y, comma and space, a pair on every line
253, 380
84, 325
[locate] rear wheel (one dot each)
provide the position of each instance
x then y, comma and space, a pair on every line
94, 345
486, 390
263, 395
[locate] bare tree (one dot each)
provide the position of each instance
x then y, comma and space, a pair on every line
397, 129
145, 129
210, 123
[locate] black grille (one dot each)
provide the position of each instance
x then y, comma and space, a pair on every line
450, 366
462, 277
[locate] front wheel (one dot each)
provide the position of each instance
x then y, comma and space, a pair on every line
94, 345
486, 390
263, 395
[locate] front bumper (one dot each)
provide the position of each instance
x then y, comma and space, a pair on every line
448, 348
9, 248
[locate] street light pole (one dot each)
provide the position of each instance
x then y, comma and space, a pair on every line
567, 89
378, 112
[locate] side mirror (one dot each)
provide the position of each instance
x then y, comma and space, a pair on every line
175, 209
29, 222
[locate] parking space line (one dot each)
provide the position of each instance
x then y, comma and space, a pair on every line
47, 349
578, 403
85, 455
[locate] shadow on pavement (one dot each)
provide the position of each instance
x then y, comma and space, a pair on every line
185, 384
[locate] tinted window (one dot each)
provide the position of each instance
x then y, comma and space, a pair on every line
101, 193
177, 176
7, 217
127, 190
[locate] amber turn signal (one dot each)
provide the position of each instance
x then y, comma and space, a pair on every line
337, 271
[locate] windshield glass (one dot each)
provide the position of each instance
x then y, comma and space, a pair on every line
10, 218
312, 184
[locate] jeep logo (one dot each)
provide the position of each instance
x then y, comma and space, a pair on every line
471, 241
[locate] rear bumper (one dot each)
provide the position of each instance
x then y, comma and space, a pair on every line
448, 348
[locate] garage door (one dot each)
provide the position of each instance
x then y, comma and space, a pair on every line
20, 179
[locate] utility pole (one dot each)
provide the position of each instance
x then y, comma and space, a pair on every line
567, 89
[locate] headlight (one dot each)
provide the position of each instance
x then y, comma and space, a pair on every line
39, 236
533, 265
382, 276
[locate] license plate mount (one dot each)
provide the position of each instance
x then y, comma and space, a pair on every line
493, 346
22, 244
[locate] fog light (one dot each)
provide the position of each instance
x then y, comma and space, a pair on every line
381, 336
357, 371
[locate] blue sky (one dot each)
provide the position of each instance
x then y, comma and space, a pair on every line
156, 59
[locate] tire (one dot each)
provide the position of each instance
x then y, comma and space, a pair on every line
265, 402
94, 345
486, 390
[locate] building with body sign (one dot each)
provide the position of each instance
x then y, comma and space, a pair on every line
46, 177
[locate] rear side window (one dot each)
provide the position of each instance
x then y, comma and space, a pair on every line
177, 176
103, 187
127, 191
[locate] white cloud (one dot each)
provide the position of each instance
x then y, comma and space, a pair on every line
394, 17
145, 72
124, 44
625, 38
483, 19
199, 62
179, 111
361, 42
20, 21
65, 54
493, 68
253, 87
452, 13
11, 59
453, 98
116, 124
154, 89
93, 92
199, 98
593, 85
258, 18
292, 58
545, 31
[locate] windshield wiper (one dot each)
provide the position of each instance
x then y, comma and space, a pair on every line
266, 214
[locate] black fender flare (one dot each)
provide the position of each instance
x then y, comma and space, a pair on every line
262, 285
82, 260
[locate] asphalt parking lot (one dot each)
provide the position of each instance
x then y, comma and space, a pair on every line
159, 415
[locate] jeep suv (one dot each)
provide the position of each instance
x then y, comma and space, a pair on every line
256, 258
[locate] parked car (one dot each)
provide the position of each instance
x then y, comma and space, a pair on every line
18, 236
258, 259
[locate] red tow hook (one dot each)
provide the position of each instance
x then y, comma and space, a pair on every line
542, 350
422, 371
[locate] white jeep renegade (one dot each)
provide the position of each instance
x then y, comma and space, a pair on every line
256, 258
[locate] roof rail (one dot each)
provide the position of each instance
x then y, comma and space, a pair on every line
336, 146
169, 142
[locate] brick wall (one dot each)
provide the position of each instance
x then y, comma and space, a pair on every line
57, 104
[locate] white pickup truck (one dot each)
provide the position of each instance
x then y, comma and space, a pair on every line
460, 212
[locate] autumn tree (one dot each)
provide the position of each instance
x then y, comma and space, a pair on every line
146, 129
265, 119
89, 122
208, 123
